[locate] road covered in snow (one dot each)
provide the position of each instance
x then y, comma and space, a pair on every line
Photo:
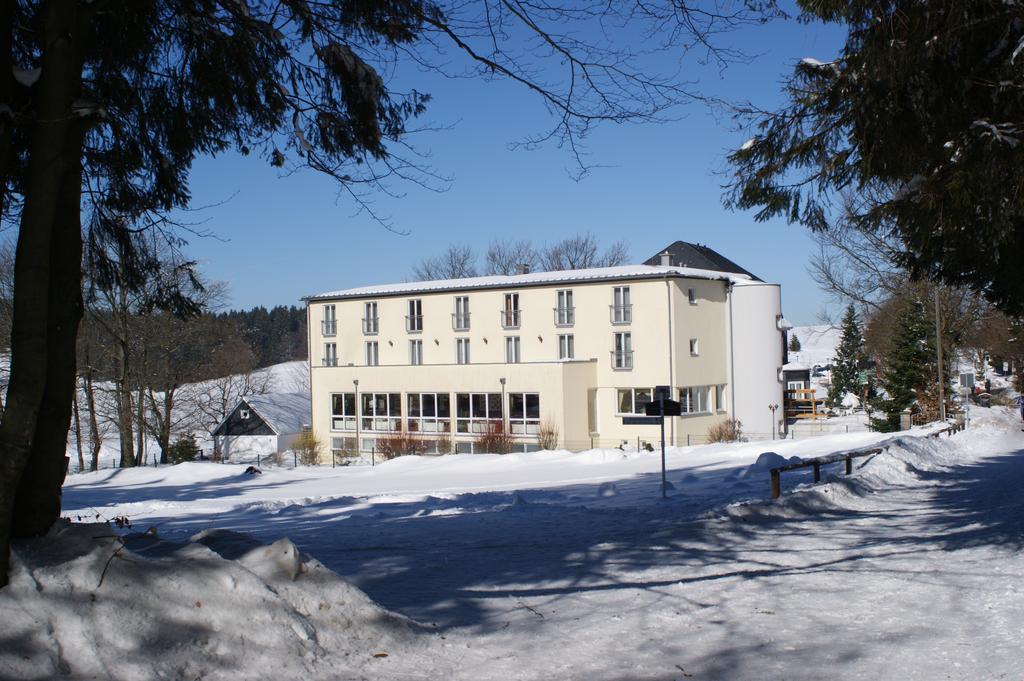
540, 566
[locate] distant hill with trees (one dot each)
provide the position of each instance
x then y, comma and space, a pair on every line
276, 335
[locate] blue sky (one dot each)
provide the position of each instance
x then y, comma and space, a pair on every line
281, 237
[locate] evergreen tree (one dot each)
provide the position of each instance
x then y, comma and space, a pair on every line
794, 343
912, 130
848, 360
908, 371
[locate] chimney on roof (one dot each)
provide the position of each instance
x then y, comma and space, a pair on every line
666, 259
523, 268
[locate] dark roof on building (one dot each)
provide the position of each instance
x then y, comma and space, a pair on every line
281, 413
685, 254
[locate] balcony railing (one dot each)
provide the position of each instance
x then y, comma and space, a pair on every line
370, 325
330, 361
414, 323
565, 316
622, 360
510, 319
460, 322
329, 327
621, 314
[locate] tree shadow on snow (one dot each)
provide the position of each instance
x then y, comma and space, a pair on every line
474, 560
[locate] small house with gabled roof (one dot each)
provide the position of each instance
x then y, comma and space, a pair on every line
262, 425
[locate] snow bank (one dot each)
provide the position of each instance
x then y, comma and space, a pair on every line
904, 462
84, 603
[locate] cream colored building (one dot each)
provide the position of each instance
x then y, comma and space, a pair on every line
575, 350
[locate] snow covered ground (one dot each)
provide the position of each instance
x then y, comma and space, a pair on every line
817, 344
287, 377
540, 566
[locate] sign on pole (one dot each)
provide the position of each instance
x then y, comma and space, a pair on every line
656, 412
641, 420
664, 408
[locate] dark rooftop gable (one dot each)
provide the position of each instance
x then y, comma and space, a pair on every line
685, 254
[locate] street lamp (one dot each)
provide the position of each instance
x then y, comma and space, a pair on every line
504, 407
773, 408
355, 382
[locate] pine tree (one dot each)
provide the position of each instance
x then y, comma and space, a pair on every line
911, 130
908, 368
848, 359
794, 343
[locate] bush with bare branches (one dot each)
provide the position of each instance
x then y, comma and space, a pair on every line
729, 430
399, 443
307, 448
494, 440
547, 434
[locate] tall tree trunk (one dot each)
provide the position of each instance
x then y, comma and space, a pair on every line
95, 439
78, 430
55, 90
125, 415
37, 504
140, 446
162, 418
165, 430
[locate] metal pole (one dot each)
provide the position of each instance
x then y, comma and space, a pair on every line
504, 407
938, 353
664, 490
358, 410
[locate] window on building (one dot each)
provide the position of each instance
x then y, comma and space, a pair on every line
622, 309
244, 414
510, 313
462, 351
330, 354
691, 294
429, 412
565, 313
622, 354
695, 399
524, 413
370, 321
460, 318
329, 324
343, 411
474, 412
416, 352
381, 411
634, 400
694, 347
414, 320
372, 356
512, 349
720, 398
343, 446
566, 346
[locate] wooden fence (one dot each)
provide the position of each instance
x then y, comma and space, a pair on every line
847, 457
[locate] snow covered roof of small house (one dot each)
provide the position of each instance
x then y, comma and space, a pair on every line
796, 366
594, 274
284, 412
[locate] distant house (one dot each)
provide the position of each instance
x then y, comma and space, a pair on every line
262, 425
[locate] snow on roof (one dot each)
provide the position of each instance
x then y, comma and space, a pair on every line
796, 366
533, 279
284, 412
